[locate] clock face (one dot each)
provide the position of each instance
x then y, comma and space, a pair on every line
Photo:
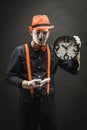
66, 48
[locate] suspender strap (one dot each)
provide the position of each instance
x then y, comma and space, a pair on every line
28, 65
48, 67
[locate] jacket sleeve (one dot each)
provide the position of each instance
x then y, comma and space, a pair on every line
70, 66
12, 74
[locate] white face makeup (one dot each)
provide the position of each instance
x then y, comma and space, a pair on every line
40, 36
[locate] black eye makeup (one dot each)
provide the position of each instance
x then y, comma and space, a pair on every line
38, 32
45, 32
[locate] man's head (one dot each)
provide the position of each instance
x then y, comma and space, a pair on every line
40, 29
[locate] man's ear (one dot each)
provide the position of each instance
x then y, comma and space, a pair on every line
49, 31
30, 29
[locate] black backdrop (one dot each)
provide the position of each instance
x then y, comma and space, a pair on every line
69, 18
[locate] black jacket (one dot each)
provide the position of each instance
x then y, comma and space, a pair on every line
17, 69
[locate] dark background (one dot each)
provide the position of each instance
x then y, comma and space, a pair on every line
69, 18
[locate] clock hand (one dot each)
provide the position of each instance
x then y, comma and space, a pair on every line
64, 47
69, 46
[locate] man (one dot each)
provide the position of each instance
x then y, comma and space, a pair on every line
32, 68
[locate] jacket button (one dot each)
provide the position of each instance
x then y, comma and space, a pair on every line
39, 57
38, 67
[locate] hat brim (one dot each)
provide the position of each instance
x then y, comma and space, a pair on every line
44, 27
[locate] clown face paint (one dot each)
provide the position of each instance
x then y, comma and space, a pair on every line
40, 36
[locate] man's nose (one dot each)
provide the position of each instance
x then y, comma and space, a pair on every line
41, 35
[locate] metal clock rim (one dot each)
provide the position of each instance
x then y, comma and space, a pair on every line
69, 38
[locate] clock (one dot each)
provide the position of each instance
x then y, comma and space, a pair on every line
67, 47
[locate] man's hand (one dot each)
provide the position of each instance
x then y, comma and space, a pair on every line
78, 41
33, 83
78, 59
44, 81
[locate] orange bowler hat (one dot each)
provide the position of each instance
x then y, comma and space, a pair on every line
41, 21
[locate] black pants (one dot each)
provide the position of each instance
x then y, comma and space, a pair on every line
38, 110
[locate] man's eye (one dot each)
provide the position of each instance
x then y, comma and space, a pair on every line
44, 33
38, 32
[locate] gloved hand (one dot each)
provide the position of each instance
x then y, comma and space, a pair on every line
33, 83
44, 81
78, 60
78, 41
